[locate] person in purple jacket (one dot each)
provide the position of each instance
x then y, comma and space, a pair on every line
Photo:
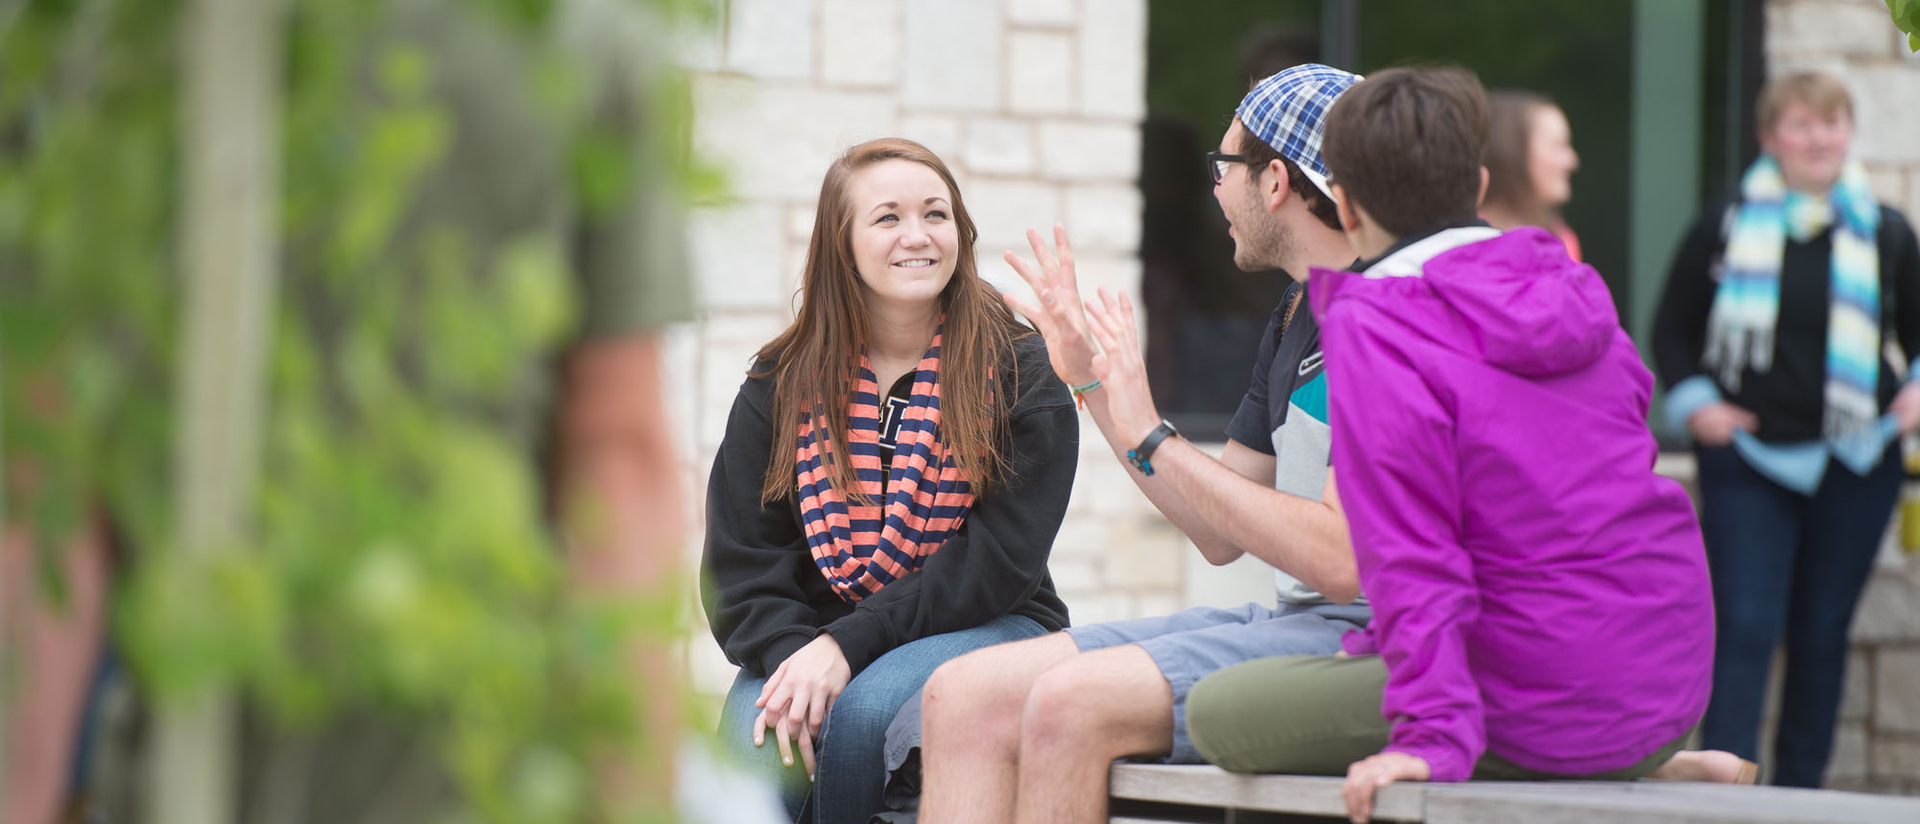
1540, 595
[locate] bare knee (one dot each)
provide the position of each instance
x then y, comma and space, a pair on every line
950, 690
1058, 707
967, 694
1076, 707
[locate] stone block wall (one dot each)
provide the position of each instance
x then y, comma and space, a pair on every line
1877, 746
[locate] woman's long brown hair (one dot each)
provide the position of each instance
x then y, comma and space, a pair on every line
816, 361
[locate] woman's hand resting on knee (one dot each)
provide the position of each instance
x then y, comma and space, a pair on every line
798, 696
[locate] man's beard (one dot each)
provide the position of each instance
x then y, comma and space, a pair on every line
1265, 241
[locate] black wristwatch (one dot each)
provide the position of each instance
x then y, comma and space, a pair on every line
1139, 456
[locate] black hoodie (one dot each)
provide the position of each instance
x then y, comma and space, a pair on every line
765, 598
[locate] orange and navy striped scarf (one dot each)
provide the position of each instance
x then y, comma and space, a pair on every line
865, 546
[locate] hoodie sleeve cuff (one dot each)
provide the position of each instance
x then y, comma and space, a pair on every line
1686, 398
778, 650
1442, 765
1358, 642
862, 637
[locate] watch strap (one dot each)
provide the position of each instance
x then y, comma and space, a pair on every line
1141, 456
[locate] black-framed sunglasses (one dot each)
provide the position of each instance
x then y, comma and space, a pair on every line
1217, 164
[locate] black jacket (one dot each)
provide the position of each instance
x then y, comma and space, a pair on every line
1789, 398
765, 598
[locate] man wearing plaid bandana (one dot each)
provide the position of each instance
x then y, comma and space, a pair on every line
1025, 731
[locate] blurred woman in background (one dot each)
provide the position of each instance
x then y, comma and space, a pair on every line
1530, 164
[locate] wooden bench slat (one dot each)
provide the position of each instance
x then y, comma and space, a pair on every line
1574, 801
1499, 802
1299, 794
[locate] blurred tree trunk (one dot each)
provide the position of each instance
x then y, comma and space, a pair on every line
229, 214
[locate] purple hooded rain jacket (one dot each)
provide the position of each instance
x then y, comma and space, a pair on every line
1538, 592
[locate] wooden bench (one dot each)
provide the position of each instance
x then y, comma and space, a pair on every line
1163, 794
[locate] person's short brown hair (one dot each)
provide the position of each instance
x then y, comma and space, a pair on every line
1406, 145
1821, 92
1259, 155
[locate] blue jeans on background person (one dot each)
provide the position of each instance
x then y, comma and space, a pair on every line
852, 748
1790, 566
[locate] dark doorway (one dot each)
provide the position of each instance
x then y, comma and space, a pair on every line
1203, 315
1660, 117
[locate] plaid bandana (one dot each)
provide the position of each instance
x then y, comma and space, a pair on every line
1288, 111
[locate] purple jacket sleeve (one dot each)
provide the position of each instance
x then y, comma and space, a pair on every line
1394, 455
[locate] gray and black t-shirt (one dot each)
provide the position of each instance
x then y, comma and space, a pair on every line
1284, 414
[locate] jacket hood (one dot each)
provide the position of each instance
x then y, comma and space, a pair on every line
1526, 306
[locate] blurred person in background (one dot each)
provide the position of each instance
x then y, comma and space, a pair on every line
886, 495
1770, 339
536, 286
589, 406
1530, 164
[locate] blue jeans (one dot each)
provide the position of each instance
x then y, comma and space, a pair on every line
852, 747
1786, 565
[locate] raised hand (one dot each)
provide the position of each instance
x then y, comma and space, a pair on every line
1057, 313
1122, 374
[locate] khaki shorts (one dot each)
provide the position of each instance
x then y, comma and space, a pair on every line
1317, 714
1193, 643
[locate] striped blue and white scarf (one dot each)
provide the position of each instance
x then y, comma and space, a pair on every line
1746, 307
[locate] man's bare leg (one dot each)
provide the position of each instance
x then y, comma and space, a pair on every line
1080, 716
970, 728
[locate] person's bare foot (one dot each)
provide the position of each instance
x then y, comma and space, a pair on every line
1716, 766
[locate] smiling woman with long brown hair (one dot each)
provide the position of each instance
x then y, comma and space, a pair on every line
891, 479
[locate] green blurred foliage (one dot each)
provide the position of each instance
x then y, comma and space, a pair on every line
400, 562
87, 175
1906, 15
